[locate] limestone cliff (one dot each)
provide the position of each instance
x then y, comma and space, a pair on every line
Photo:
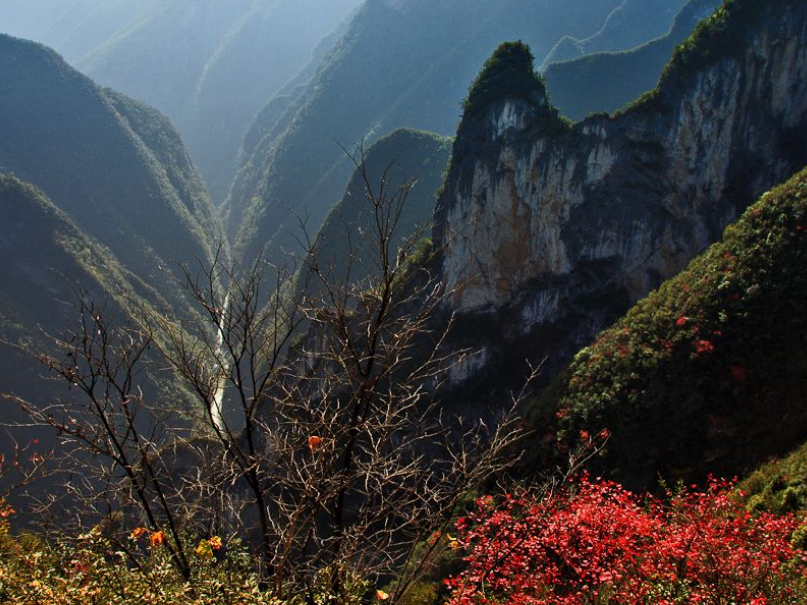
551, 230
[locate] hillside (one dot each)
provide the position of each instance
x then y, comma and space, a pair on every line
344, 244
399, 65
49, 261
630, 24
606, 81
706, 374
116, 168
48, 265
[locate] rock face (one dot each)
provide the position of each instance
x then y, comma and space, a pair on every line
550, 231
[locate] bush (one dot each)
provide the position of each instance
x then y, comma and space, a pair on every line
598, 543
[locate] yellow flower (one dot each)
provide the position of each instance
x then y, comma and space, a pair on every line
204, 550
381, 595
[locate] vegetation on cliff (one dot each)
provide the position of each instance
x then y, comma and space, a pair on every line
706, 373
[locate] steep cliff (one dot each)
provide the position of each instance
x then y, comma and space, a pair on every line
550, 230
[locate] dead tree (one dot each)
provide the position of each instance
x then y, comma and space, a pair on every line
324, 443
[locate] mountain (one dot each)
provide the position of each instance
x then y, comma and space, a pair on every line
114, 166
550, 231
33, 19
604, 82
344, 244
49, 263
210, 66
100, 203
706, 374
400, 64
47, 256
630, 24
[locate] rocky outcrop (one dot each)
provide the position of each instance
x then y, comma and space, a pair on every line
550, 231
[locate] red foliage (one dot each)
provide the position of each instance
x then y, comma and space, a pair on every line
598, 543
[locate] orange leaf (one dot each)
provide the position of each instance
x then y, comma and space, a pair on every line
157, 538
314, 443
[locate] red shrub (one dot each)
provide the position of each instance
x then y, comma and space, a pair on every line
598, 543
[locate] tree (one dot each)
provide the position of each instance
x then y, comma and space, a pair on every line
315, 430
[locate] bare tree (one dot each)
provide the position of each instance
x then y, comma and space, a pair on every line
316, 430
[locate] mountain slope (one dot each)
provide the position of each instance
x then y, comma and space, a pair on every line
400, 64
553, 230
99, 157
629, 25
211, 66
604, 82
48, 265
706, 374
344, 244
47, 256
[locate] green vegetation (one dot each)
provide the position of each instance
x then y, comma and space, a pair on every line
607, 81
779, 486
91, 568
508, 74
723, 35
707, 373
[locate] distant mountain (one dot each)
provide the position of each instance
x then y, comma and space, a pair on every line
100, 201
604, 82
631, 24
33, 19
209, 66
706, 374
344, 244
400, 64
114, 166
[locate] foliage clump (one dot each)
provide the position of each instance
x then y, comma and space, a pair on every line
508, 74
780, 485
93, 568
596, 542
